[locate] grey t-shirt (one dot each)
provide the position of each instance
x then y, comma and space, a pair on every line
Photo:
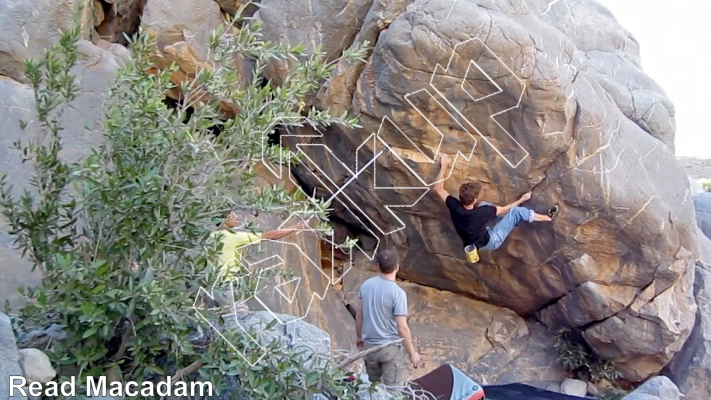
382, 301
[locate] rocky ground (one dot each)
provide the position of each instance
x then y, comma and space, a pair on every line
624, 262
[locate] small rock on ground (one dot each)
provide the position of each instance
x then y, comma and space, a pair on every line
36, 366
574, 387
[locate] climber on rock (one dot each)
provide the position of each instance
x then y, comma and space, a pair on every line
471, 216
231, 253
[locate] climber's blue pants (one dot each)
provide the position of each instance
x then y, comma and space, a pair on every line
506, 224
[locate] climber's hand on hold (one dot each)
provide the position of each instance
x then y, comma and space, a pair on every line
444, 160
526, 197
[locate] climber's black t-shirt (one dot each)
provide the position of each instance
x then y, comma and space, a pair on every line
471, 224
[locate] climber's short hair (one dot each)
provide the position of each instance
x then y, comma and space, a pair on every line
388, 260
469, 192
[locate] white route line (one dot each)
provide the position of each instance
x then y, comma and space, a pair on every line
337, 192
440, 70
278, 171
355, 203
356, 175
279, 262
211, 295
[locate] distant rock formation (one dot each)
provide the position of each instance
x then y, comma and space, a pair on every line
697, 168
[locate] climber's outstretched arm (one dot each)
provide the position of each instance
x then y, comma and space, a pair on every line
444, 161
503, 210
277, 234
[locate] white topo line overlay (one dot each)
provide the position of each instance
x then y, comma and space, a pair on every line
378, 144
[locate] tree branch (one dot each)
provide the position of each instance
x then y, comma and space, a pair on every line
181, 373
357, 356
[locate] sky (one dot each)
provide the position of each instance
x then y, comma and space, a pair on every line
675, 47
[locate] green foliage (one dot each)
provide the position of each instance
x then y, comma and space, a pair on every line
577, 358
279, 375
706, 183
613, 394
122, 237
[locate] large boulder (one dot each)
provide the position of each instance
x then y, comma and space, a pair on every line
691, 368
27, 28
657, 388
95, 72
491, 344
331, 24
584, 136
645, 337
313, 343
181, 29
702, 202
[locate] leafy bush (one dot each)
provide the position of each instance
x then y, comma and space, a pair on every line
577, 358
613, 394
122, 237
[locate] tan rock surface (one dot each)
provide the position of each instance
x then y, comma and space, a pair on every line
491, 344
27, 28
582, 136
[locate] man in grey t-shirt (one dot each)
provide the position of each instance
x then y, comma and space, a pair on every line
383, 319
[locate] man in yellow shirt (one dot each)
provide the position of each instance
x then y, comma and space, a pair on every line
232, 242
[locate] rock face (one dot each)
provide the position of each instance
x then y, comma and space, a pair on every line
27, 28
119, 17
294, 335
331, 23
491, 344
9, 358
702, 202
584, 136
181, 29
691, 368
657, 388
95, 72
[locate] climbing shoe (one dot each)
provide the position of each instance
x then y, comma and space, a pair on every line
553, 211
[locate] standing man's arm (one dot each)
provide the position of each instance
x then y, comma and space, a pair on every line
503, 210
404, 331
444, 161
359, 326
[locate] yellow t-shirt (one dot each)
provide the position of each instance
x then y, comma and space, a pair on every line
231, 242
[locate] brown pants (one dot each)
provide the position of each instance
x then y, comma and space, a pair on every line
386, 365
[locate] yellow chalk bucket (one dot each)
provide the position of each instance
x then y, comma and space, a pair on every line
472, 254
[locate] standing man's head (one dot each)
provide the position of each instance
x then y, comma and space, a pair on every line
469, 192
388, 261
